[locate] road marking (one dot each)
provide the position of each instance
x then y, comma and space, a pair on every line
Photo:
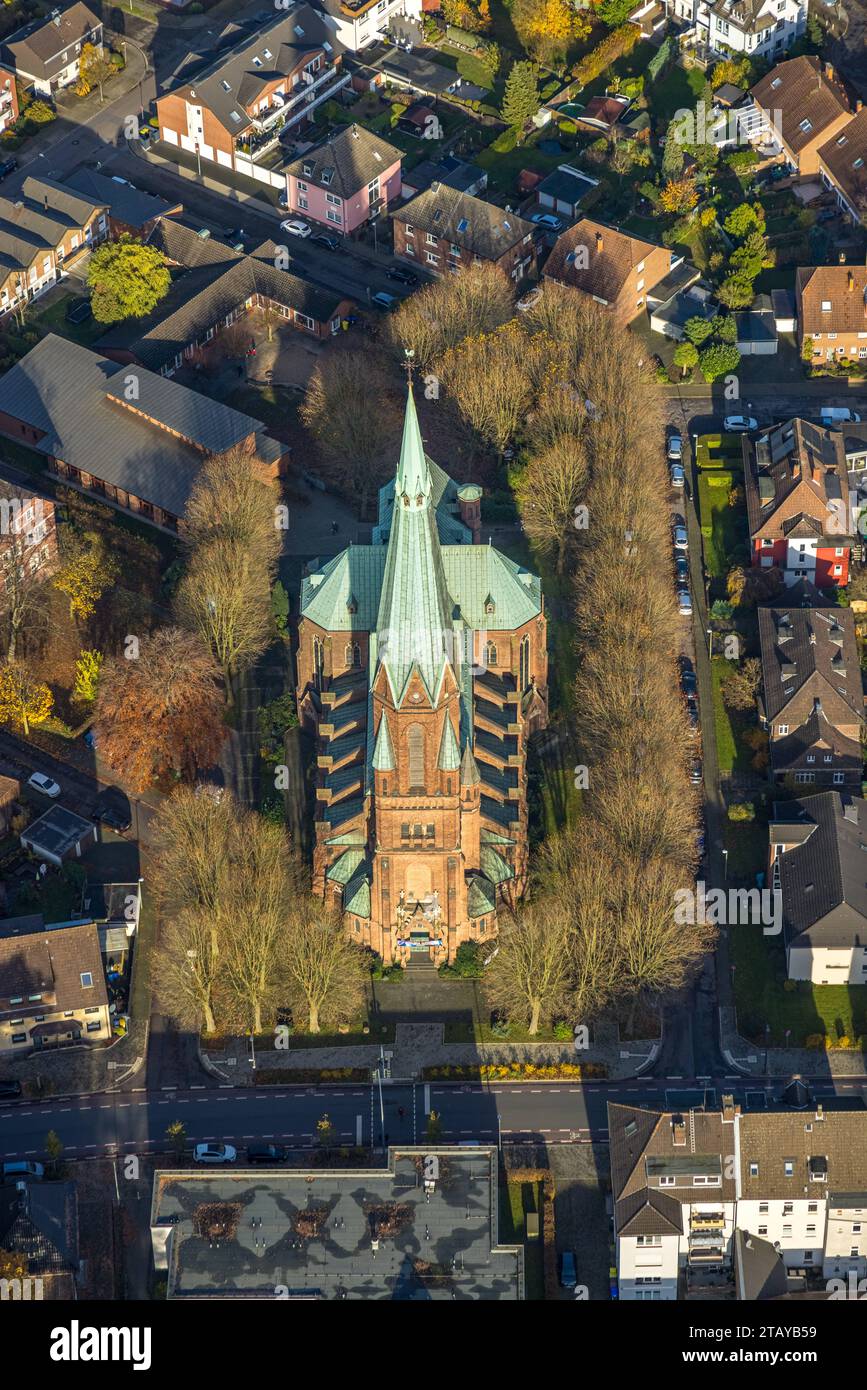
359, 1122
427, 1099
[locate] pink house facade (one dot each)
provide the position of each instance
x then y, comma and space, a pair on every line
348, 180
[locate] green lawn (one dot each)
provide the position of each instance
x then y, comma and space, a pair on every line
723, 526
516, 1199
504, 166
52, 319
678, 90
761, 998
727, 748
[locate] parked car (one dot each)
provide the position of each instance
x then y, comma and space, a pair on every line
9, 1090
401, 274
568, 1271
40, 783
548, 221
384, 301
695, 774
675, 448
24, 1168
112, 809
214, 1153
293, 226
681, 570
684, 603
688, 684
838, 415
78, 310
8, 166
739, 424
692, 713
322, 239
266, 1153
676, 475
681, 537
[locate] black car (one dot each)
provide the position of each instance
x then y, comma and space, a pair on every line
9, 1090
79, 311
112, 809
266, 1153
397, 272
8, 166
329, 242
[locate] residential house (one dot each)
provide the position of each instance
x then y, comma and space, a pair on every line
421, 821
9, 109
134, 438
45, 54
39, 1223
44, 228
130, 211
816, 862
28, 534
346, 181
832, 311
799, 107
359, 23
611, 267
213, 287
688, 1184
756, 329
453, 172
240, 104
52, 986
445, 230
843, 168
813, 705
603, 113
798, 503
338, 1234
757, 28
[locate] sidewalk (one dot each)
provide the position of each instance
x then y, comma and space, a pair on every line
785, 1062
421, 1045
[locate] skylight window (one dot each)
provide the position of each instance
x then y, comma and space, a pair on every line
806, 125
257, 62
225, 86
463, 224
856, 163
327, 47
267, 53
299, 31
775, 84
842, 140
507, 225
235, 116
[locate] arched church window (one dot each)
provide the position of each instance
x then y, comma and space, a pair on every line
490, 654
318, 662
524, 665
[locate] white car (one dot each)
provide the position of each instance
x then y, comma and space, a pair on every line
677, 476
40, 783
293, 226
684, 603
739, 424
681, 538
214, 1153
547, 220
675, 449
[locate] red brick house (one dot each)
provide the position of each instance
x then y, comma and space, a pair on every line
832, 311
798, 505
444, 230
238, 106
614, 269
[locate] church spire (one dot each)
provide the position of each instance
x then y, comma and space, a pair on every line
414, 624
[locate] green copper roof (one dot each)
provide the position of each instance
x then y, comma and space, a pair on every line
469, 769
342, 869
356, 894
414, 620
450, 754
494, 866
383, 753
487, 837
354, 837
481, 897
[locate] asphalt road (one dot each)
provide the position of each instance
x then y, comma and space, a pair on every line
552, 1113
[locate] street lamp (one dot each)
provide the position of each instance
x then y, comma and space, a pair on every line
710, 641
725, 863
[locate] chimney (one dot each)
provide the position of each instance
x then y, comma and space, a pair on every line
678, 1131
859, 106
600, 242
829, 71
850, 282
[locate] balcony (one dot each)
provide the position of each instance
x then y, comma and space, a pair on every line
706, 1255
302, 98
707, 1221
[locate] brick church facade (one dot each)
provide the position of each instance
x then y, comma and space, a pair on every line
422, 671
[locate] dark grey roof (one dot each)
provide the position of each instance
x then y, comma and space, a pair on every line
74, 396
215, 282
314, 1233
815, 738
278, 46
823, 880
346, 161
566, 183
125, 203
40, 1221
811, 650
38, 217
469, 222
22, 926
58, 830
38, 47
758, 1268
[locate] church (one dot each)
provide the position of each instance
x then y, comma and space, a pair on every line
422, 671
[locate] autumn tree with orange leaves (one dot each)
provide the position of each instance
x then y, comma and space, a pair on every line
546, 28
678, 195
162, 711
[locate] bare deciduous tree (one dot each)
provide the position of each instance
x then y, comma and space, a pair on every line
442, 315
324, 974
547, 493
529, 976
352, 412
